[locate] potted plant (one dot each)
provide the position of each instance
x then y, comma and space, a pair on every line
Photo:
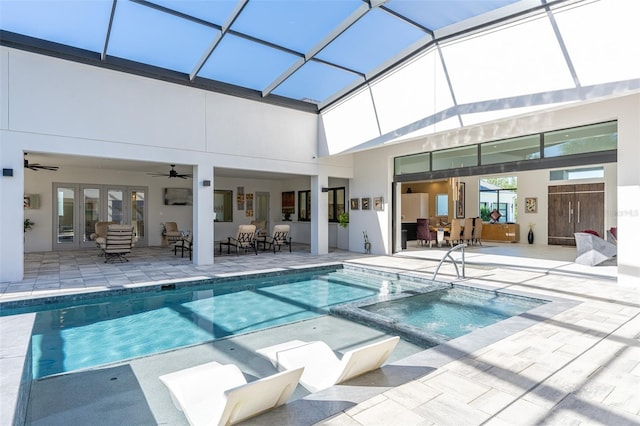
28, 224
343, 219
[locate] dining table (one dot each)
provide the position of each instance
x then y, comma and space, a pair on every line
441, 231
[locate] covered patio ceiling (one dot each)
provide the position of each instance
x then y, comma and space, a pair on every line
72, 161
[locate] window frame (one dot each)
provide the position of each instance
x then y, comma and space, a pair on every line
227, 205
304, 206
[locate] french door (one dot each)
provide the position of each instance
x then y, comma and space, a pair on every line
78, 207
261, 208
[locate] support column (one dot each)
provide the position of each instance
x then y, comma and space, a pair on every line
11, 214
202, 214
319, 215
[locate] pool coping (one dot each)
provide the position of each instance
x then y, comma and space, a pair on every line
15, 361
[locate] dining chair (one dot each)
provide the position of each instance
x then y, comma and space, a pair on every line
477, 231
467, 232
456, 232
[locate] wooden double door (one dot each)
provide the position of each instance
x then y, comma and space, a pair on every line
574, 208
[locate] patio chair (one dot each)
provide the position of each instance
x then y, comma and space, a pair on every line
280, 237
118, 243
592, 250
322, 368
217, 394
245, 239
185, 243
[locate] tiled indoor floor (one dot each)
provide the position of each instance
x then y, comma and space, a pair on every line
577, 366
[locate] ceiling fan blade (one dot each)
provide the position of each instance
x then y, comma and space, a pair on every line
35, 167
172, 174
51, 168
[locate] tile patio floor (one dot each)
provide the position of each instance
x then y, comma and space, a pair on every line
577, 366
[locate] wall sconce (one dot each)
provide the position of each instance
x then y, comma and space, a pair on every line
7, 172
206, 183
325, 189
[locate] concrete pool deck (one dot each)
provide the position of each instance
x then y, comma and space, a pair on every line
579, 364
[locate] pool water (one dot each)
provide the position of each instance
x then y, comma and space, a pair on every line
78, 337
445, 314
119, 328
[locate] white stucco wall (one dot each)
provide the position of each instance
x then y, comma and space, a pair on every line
622, 208
49, 105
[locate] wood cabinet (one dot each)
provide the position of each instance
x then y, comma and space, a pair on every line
574, 208
414, 206
509, 232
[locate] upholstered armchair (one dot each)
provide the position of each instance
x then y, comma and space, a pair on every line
261, 227
100, 234
591, 250
171, 234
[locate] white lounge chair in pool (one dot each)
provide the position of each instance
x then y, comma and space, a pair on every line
322, 368
217, 394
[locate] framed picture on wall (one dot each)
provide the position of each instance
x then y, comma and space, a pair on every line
366, 203
378, 203
178, 197
460, 201
530, 205
355, 204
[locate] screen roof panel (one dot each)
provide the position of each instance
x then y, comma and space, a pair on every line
297, 25
338, 45
315, 82
165, 41
245, 63
54, 21
364, 46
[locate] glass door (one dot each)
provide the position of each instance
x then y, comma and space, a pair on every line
262, 209
90, 214
138, 214
115, 205
65, 235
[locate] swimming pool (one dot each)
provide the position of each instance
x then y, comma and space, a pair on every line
111, 329
71, 337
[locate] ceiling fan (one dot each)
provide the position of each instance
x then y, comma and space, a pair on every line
36, 166
172, 174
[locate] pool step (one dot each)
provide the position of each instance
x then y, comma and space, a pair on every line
348, 276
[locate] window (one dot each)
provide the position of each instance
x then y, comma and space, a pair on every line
594, 138
524, 148
574, 174
223, 205
412, 164
336, 203
336, 200
454, 158
499, 194
442, 204
304, 206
